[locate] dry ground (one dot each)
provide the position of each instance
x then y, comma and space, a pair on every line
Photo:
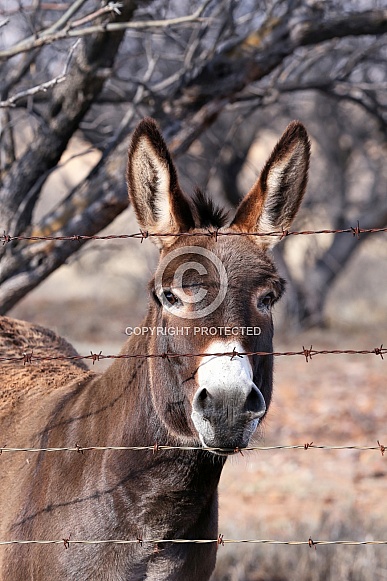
294, 495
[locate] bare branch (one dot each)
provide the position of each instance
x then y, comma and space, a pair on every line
228, 73
355, 24
43, 87
71, 100
112, 6
8, 141
85, 195
73, 9
70, 31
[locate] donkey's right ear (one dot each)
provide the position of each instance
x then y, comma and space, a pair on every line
153, 187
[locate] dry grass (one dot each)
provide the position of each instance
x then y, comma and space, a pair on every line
302, 563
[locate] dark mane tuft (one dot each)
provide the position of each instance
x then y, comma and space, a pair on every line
208, 214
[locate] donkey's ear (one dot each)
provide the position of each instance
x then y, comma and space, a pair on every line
274, 200
154, 191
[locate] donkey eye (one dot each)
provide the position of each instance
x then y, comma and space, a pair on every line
266, 301
170, 297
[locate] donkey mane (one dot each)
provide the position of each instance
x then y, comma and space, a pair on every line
208, 214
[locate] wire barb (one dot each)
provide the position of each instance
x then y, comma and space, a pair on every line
307, 353
27, 357
238, 450
96, 356
357, 230
284, 233
220, 540
235, 354
214, 234
144, 235
6, 238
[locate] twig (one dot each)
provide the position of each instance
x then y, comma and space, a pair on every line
43, 87
73, 9
69, 31
111, 7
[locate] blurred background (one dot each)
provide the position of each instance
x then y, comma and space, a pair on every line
223, 78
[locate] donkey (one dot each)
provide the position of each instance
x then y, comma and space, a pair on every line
210, 300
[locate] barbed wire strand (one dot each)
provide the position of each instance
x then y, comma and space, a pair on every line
215, 233
29, 357
159, 447
66, 542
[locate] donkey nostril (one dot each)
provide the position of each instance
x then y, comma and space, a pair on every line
203, 394
255, 403
202, 401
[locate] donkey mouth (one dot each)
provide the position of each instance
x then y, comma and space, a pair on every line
228, 444
223, 450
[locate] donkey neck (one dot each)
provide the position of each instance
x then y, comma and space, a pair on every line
184, 476
133, 418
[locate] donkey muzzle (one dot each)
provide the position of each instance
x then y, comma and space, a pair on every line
227, 405
227, 418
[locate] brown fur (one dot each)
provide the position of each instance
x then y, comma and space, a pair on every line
143, 401
18, 338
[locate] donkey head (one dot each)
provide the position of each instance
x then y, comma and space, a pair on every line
213, 294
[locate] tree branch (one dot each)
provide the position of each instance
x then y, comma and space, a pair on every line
354, 24
318, 280
102, 196
71, 100
229, 72
42, 88
71, 31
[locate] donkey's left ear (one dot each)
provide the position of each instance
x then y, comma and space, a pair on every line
153, 187
274, 200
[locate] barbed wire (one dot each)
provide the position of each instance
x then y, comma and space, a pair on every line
29, 357
159, 448
214, 233
220, 541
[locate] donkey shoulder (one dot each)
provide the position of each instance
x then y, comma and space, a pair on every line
17, 380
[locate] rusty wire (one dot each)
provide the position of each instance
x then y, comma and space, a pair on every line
220, 540
158, 448
29, 357
214, 233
